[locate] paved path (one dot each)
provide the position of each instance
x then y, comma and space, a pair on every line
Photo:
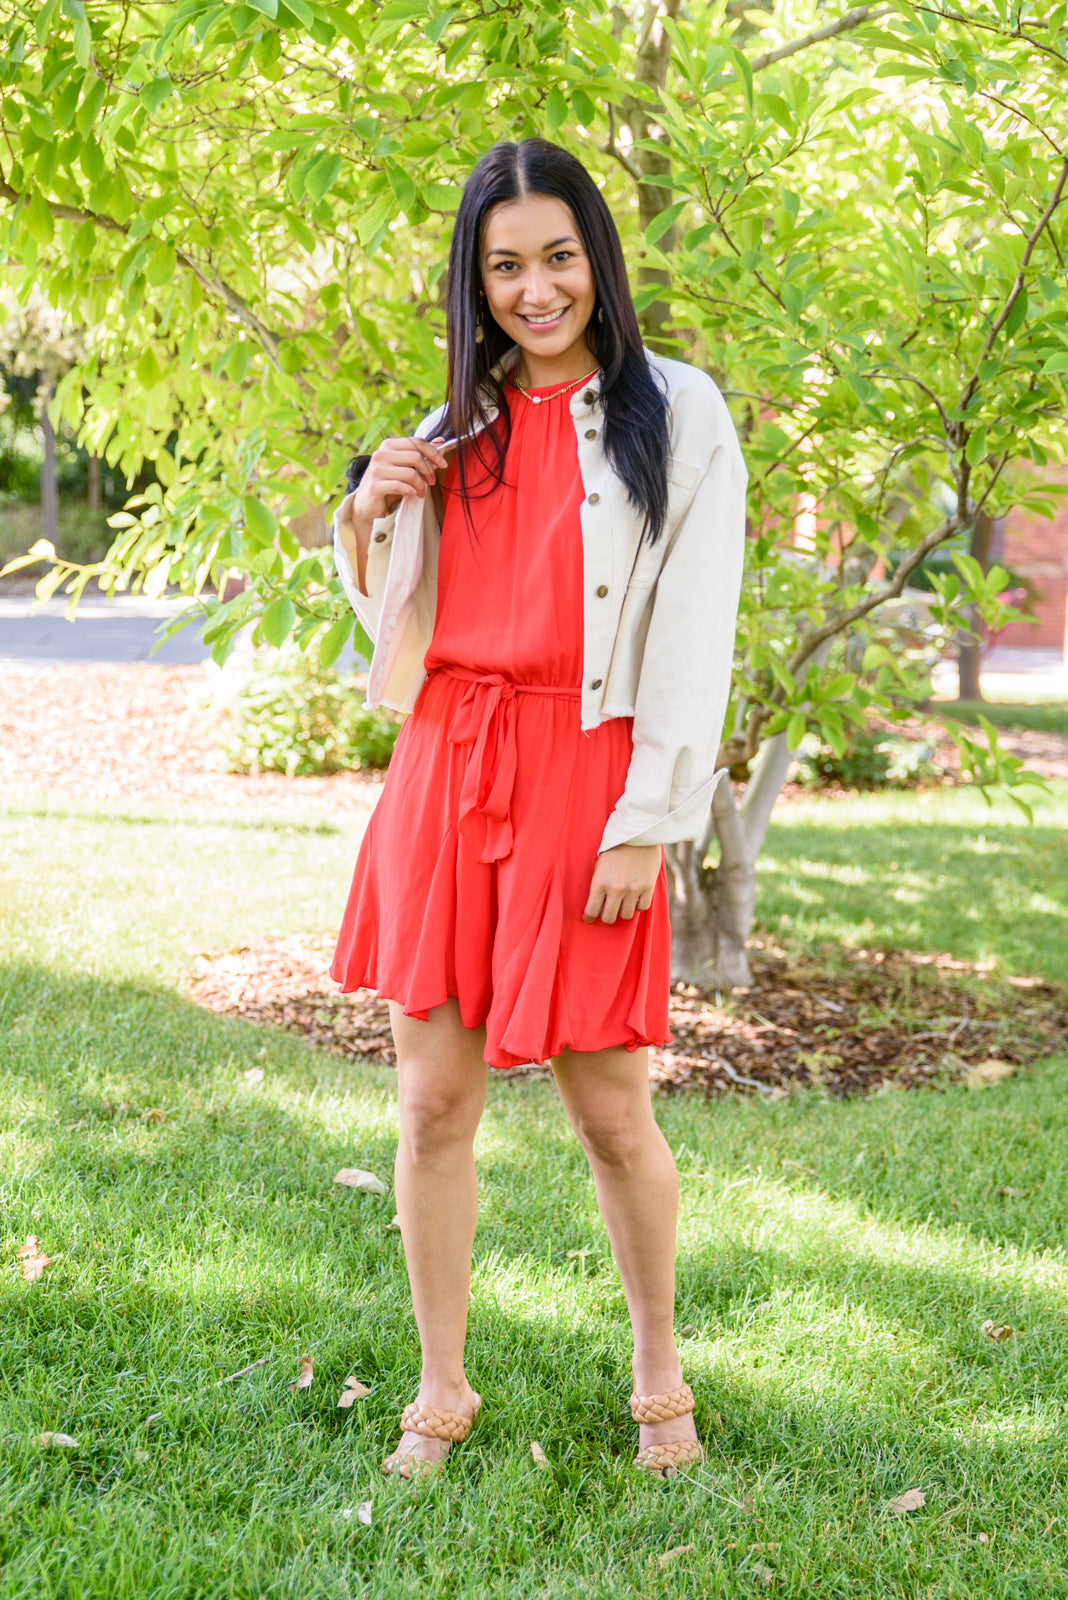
121, 630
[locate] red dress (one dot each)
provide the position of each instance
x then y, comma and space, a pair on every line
476, 865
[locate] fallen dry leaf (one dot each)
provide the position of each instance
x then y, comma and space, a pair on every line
911, 1500
357, 1178
987, 1072
153, 1114
392, 1227
1000, 1332
253, 1076
307, 1372
1009, 1193
363, 1512
541, 1459
674, 1553
56, 1441
32, 1259
353, 1390
763, 1574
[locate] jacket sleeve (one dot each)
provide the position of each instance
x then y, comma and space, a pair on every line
367, 603
684, 682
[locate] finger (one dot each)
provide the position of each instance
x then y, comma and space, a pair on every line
593, 904
627, 907
611, 908
400, 486
415, 481
405, 457
429, 449
646, 900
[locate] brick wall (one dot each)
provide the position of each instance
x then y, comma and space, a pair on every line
1037, 547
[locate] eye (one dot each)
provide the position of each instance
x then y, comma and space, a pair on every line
562, 255
500, 266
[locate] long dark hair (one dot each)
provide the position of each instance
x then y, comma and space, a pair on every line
635, 427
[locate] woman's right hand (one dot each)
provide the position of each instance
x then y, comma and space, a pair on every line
398, 469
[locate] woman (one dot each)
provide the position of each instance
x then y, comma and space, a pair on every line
553, 598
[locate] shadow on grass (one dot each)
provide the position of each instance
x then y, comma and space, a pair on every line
978, 889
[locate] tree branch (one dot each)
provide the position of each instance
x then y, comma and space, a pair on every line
211, 280
852, 19
1014, 293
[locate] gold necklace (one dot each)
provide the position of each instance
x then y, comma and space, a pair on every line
536, 399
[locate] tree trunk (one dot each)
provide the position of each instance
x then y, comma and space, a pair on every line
94, 483
712, 907
969, 647
650, 67
49, 484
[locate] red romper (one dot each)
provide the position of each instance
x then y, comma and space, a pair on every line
476, 865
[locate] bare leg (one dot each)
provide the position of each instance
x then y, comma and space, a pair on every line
441, 1092
606, 1097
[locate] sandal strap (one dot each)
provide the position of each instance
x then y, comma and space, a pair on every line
433, 1424
662, 1407
664, 1458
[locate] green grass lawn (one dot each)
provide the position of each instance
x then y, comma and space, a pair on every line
837, 1262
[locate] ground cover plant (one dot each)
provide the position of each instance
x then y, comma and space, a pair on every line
838, 1264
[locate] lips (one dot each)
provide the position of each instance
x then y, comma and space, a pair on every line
548, 321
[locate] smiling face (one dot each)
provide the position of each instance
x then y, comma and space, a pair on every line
539, 287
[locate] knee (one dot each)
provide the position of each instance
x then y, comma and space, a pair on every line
614, 1141
434, 1120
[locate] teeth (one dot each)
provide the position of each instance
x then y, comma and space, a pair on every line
549, 316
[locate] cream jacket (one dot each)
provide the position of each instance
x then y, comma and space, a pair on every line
659, 619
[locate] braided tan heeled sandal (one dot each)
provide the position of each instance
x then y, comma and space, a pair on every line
432, 1424
664, 1458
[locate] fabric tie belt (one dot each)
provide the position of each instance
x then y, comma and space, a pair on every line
485, 720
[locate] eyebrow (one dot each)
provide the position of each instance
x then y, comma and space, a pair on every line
568, 238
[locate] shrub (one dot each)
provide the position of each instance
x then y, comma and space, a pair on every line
871, 760
285, 714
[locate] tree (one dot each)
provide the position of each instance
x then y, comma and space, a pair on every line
855, 224
35, 344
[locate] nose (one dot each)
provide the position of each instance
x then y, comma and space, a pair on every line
538, 291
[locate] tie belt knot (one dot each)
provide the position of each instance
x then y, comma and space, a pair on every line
485, 720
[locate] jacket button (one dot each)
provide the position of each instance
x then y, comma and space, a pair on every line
591, 433
380, 538
602, 590
593, 499
589, 398
596, 684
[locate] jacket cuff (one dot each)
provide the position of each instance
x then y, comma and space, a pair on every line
684, 821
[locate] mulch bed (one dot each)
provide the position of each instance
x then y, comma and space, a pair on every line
142, 734
880, 1019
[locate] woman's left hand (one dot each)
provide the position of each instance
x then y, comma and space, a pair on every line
623, 882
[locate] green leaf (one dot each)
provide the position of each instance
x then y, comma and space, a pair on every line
268, 7
583, 107
153, 94
334, 640
441, 196
322, 175
147, 370
45, 17
660, 225
302, 13
1016, 316
260, 522
1057, 363
555, 109
38, 219
277, 621
795, 730
975, 452
83, 38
